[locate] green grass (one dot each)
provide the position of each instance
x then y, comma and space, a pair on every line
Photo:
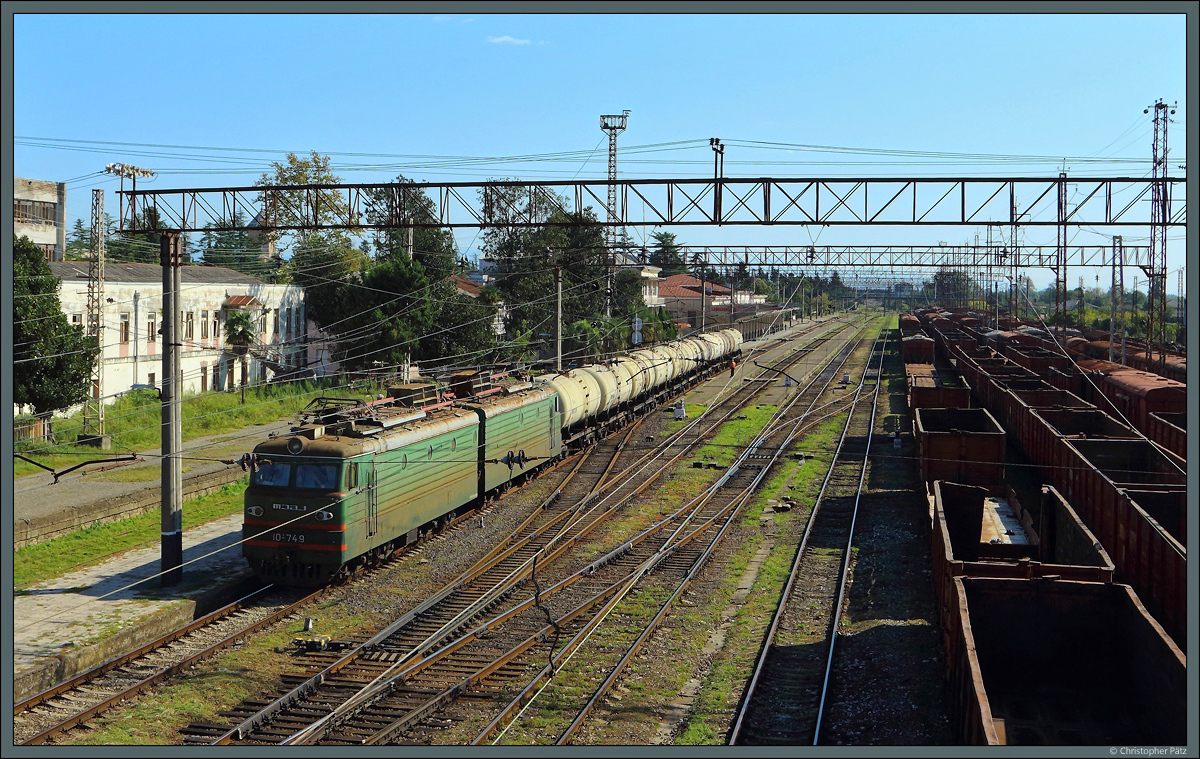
155, 718
709, 717
134, 420
94, 544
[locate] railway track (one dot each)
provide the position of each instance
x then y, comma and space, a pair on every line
401, 653
50, 715
47, 715
733, 492
786, 699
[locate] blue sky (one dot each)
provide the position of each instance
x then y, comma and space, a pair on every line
396, 86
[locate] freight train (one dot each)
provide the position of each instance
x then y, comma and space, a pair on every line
358, 479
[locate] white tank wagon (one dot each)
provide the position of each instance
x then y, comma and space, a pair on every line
714, 347
632, 381
606, 380
579, 395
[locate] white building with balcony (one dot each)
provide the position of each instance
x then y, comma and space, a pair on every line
132, 320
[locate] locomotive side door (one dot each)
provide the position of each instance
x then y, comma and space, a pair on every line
372, 500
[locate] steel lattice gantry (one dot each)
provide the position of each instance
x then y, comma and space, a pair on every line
1022, 201
925, 257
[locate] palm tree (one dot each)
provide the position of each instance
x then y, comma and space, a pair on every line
240, 334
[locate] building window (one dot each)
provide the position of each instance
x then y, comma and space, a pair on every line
203, 324
189, 329
150, 379
77, 320
262, 324
151, 328
124, 328
216, 332
34, 211
204, 379
277, 324
47, 250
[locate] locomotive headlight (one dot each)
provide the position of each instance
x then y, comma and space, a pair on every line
254, 511
323, 516
295, 445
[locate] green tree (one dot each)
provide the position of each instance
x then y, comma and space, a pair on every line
667, 254
52, 359
323, 262
140, 247
434, 248
462, 333
628, 297
283, 208
952, 286
79, 242
392, 307
234, 248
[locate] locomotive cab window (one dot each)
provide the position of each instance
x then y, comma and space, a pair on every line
272, 475
316, 476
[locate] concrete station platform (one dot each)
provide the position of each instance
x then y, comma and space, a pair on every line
67, 625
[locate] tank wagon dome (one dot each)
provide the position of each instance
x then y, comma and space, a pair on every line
693, 354
665, 364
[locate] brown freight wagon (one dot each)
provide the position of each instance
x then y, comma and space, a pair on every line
1167, 507
1037, 359
1169, 429
917, 349
1097, 478
909, 324
963, 445
1069, 379
930, 387
1003, 393
1137, 395
977, 535
1017, 403
1059, 662
1172, 366
952, 340
990, 380
1040, 433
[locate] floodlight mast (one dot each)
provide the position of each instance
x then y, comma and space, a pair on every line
124, 170
613, 125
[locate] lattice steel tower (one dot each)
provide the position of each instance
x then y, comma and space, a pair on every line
613, 125
93, 409
1156, 270
1116, 321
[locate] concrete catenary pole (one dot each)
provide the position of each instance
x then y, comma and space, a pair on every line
171, 565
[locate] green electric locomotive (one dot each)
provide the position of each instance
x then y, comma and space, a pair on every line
357, 481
